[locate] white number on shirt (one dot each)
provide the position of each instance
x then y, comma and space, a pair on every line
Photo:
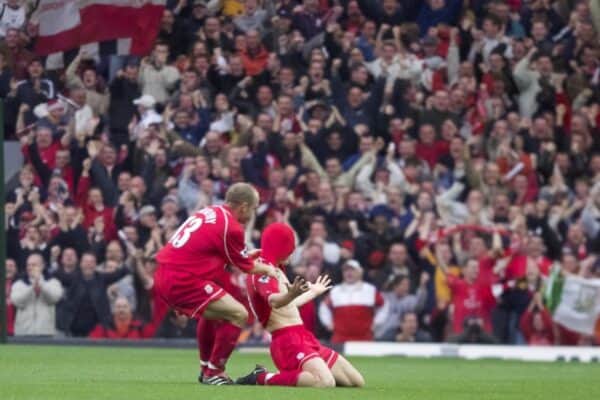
185, 231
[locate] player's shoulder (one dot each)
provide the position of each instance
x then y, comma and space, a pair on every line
232, 223
209, 215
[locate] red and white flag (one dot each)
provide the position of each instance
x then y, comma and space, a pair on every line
68, 24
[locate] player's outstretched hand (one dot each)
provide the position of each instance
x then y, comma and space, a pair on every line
297, 287
321, 285
261, 267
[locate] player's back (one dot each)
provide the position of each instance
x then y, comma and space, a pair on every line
204, 243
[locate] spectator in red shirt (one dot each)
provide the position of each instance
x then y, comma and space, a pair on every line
255, 56
349, 310
533, 253
427, 147
470, 298
45, 144
123, 325
95, 209
536, 323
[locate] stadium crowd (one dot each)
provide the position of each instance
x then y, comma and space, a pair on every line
437, 158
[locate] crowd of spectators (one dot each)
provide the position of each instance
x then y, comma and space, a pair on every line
437, 158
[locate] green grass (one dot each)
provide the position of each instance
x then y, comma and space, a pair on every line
46, 372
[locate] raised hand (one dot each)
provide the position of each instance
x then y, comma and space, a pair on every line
297, 287
321, 285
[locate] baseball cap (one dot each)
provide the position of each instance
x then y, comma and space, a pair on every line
151, 119
352, 264
148, 209
199, 3
348, 245
146, 100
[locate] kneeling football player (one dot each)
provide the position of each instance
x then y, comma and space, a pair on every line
300, 358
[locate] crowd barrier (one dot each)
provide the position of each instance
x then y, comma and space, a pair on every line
364, 349
472, 352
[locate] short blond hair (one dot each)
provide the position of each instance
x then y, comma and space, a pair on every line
240, 193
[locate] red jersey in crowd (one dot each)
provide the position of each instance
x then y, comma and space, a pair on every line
207, 241
544, 337
90, 212
486, 271
133, 330
351, 309
470, 300
517, 266
431, 152
47, 155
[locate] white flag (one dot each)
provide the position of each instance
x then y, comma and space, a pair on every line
579, 305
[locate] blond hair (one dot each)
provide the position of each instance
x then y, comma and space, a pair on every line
240, 193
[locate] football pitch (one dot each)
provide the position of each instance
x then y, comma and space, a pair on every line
65, 373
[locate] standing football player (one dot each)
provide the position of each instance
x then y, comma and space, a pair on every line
192, 278
300, 358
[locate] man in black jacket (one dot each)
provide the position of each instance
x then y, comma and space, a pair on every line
123, 90
105, 171
33, 91
86, 302
71, 232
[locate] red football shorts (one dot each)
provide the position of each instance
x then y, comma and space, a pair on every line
294, 345
186, 293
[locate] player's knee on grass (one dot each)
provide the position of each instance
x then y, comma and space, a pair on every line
306, 379
327, 380
356, 379
346, 375
319, 369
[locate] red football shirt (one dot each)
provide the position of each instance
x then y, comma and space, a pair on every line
470, 300
206, 243
259, 289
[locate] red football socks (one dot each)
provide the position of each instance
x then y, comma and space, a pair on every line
225, 339
205, 336
281, 378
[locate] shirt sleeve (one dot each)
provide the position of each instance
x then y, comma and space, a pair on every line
266, 286
236, 250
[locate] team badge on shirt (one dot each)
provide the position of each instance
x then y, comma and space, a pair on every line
208, 289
